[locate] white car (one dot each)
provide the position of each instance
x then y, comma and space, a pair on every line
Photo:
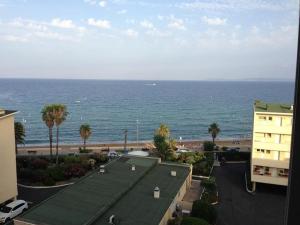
12, 210
113, 154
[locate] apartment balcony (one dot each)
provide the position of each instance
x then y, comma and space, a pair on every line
260, 144
273, 129
269, 179
283, 164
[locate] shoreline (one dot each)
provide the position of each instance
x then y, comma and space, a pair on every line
98, 147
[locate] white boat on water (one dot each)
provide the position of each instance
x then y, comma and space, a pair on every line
153, 84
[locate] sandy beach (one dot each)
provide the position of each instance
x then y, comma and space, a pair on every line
99, 147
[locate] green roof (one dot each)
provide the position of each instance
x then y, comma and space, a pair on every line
126, 194
260, 106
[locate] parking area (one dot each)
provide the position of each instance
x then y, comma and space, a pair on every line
34, 196
238, 207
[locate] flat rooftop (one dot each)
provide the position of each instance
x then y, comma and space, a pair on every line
121, 192
4, 112
261, 106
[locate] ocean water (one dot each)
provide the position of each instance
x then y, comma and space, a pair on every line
110, 107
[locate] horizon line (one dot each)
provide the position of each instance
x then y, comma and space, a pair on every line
200, 80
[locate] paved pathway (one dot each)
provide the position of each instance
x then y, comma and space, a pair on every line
237, 207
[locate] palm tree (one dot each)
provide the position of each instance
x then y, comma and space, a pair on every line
163, 131
85, 132
48, 118
60, 115
214, 130
19, 135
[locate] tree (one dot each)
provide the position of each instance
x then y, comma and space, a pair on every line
208, 146
19, 135
162, 146
48, 118
188, 220
163, 143
163, 131
60, 115
209, 184
214, 130
85, 133
204, 210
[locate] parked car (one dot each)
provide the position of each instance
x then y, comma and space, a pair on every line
233, 149
11, 210
182, 150
113, 154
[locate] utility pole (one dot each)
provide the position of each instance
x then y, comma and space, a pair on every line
125, 140
137, 132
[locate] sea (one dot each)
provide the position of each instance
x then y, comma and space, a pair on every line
111, 107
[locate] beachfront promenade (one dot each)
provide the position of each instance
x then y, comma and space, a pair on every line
101, 147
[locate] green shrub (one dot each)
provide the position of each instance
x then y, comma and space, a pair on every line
82, 150
209, 184
235, 156
208, 146
209, 158
74, 170
188, 220
25, 173
224, 148
38, 175
201, 168
56, 173
71, 159
204, 210
176, 221
48, 181
39, 163
103, 158
190, 157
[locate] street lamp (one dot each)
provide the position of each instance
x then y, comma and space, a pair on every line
137, 132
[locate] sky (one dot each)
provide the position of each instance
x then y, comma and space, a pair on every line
149, 40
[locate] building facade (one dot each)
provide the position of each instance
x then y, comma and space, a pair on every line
8, 174
271, 143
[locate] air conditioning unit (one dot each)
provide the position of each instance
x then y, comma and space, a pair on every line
102, 169
133, 167
156, 192
173, 173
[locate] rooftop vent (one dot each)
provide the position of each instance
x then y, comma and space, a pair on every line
112, 220
133, 167
156, 192
173, 173
102, 169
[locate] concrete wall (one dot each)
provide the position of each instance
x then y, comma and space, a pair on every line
8, 176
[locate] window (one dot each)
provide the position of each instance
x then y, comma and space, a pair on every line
270, 118
262, 118
268, 135
268, 151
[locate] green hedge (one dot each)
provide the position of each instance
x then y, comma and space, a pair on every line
193, 221
204, 210
208, 146
234, 156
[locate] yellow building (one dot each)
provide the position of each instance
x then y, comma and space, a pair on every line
8, 174
272, 128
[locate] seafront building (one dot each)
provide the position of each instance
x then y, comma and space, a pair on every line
128, 191
272, 128
8, 173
